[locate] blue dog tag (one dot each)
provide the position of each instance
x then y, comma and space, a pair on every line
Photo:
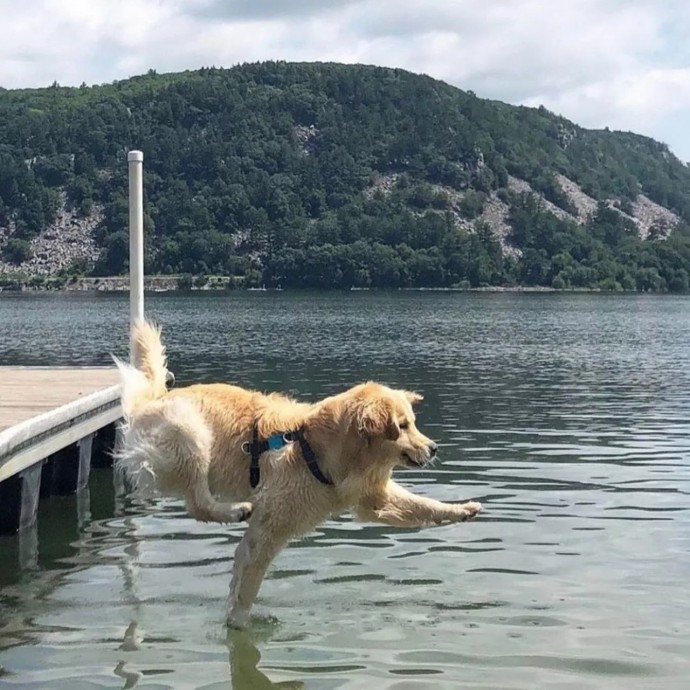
275, 442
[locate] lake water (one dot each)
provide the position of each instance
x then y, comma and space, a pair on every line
568, 416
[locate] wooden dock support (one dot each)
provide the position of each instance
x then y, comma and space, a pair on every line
102, 447
46, 447
10, 504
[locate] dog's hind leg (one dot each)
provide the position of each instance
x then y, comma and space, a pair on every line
174, 443
202, 506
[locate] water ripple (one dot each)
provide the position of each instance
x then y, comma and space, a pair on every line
566, 415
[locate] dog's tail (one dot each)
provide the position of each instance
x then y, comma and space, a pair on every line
146, 380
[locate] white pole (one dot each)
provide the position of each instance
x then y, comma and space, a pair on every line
135, 159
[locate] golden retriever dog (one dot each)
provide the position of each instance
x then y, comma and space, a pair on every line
284, 466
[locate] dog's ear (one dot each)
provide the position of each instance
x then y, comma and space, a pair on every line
375, 417
413, 397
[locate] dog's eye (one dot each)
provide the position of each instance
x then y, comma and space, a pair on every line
404, 425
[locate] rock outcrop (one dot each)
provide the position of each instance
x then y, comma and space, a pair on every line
651, 218
67, 242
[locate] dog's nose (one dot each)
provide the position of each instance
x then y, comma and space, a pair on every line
433, 449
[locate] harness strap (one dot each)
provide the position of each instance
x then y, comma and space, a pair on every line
310, 457
257, 448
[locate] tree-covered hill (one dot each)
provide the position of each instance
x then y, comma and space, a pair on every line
327, 175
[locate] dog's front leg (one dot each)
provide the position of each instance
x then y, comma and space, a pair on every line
257, 548
398, 507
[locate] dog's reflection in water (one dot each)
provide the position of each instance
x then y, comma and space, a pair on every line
244, 659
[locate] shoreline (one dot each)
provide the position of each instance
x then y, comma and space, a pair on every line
177, 283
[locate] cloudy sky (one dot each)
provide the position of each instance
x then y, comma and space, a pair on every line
621, 63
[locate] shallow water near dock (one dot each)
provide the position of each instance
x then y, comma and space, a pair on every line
568, 416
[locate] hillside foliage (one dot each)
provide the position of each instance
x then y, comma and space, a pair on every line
274, 172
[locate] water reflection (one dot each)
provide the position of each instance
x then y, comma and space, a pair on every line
244, 659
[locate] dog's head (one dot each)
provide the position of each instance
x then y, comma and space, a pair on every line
384, 421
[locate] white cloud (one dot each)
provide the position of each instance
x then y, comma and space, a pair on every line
639, 98
621, 63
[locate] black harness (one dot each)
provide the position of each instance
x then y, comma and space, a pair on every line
259, 446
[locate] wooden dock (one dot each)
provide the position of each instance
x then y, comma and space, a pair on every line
48, 421
26, 392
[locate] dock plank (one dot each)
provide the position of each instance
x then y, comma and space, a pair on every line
26, 392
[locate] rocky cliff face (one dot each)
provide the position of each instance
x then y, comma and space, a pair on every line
649, 217
68, 243
65, 244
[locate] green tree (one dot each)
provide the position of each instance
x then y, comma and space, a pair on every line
16, 251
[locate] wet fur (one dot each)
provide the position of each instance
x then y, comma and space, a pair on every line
188, 441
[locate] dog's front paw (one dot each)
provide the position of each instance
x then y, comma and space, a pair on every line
234, 624
237, 618
470, 510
